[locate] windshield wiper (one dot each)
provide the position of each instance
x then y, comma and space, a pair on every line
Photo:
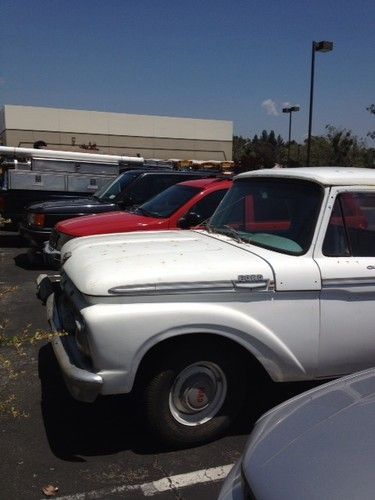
207, 226
228, 231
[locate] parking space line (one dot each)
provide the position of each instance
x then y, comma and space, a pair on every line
169, 483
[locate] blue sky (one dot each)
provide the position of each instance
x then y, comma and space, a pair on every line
216, 59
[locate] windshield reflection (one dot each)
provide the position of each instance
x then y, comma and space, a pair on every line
113, 188
167, 202
278, 214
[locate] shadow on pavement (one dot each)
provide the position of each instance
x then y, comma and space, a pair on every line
106, 426
11, 240
113, 424
29, 261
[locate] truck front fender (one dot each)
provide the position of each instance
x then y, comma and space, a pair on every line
135, 329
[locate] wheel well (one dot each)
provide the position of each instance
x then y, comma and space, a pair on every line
162, 348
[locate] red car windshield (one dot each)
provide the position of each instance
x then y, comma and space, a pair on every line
168, 202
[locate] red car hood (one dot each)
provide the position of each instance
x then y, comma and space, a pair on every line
114, 222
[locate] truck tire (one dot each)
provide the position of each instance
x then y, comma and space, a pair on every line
192, 393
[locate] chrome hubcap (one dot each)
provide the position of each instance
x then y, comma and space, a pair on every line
198, 393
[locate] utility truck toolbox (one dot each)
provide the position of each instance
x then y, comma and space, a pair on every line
29, 175
280, 284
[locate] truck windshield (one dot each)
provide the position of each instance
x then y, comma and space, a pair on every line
169, 201
109, 191
274, 213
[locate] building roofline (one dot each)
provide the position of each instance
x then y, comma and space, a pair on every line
114, 123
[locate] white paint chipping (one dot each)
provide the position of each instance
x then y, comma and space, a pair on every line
155, 487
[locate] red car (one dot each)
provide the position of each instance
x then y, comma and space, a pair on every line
183, 205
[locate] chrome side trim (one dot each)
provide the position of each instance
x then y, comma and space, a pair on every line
188, 287
344, 282
255, 285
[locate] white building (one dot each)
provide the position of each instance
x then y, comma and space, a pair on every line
117, 133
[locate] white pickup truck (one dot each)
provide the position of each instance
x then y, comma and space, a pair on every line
281, 282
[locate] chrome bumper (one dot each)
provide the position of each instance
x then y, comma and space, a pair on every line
45, 285
83, 384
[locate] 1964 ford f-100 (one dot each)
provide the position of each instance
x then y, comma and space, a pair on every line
280, 282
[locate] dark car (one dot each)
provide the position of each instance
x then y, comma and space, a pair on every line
319, 445
132, 188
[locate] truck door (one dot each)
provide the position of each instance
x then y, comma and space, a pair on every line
345, 254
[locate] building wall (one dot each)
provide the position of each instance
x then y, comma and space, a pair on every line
117, 133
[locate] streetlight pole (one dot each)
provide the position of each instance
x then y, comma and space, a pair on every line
323, 46
290, 110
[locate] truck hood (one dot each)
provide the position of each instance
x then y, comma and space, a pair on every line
69, 205
113, 222
97, 264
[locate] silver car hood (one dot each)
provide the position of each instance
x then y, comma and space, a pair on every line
319, 445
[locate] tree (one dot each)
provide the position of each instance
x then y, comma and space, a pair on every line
272, 138
339, 147
343, 144
264, 136
371, 108
240, 145
262, 151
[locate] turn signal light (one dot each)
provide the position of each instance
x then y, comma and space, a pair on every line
39, 220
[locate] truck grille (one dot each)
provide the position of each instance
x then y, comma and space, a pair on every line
63, 238
57, 239
53, 238
73, 323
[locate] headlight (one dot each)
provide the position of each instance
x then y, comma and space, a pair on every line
35, 219
81, 336
65, 257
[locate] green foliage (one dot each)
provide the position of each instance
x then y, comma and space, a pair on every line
341, 147
13, 352
259, 152
337, 147
371, 108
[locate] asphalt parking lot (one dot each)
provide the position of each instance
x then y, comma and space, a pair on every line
94, 450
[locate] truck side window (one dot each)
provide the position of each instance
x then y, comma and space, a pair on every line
351, 229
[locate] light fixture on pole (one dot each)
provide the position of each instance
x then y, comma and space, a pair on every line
290, 110
323, 46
